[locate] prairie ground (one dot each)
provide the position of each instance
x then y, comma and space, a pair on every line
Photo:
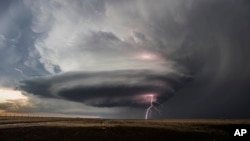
52, 128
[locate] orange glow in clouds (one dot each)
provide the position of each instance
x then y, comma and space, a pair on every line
148, 56
8, 94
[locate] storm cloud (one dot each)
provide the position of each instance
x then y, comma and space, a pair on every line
107, 89
122, 60
112, 53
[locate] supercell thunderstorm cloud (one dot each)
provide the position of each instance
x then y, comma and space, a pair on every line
103, 88
125, 58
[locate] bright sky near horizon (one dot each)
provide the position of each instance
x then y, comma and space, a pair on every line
10, 95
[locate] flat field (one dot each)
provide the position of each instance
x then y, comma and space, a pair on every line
53, 128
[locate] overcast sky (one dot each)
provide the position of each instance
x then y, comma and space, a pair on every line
111, 58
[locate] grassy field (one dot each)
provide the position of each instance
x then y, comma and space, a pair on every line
52, 128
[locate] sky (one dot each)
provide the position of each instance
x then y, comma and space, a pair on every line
116, 58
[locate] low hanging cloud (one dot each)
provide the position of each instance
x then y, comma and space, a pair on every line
128, 88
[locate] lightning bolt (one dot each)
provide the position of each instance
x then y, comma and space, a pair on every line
151, 107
